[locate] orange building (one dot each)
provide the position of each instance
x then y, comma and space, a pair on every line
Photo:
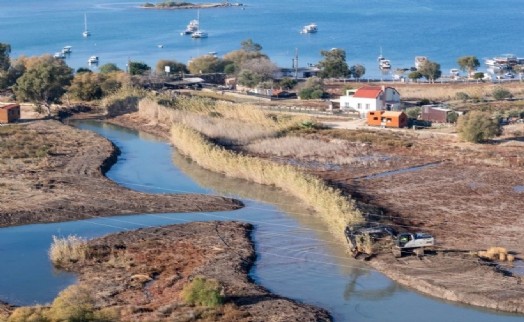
387, 119
9, 113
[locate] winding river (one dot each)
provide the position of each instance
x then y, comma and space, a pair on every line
297, 258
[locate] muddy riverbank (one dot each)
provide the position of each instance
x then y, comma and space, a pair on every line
52, 172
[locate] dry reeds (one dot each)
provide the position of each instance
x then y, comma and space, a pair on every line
336, 210
66, 250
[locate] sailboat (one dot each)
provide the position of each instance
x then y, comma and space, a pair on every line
383, 63
198, 33
86, 32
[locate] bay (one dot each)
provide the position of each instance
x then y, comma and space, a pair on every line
442, 30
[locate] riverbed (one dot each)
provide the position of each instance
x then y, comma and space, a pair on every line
297, 258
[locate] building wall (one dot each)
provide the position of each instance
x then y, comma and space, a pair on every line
362, 105
380, 118
9, 113
433, 115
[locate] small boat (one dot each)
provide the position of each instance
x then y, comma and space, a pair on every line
86, 32
59, 55
419, 60
309, 29
67, 49
454, 72
199, 34
383, 63
92, 60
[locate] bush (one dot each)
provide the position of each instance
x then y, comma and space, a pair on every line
413, 112
66, 250
203, 292
478, 127
501, 93
462, 96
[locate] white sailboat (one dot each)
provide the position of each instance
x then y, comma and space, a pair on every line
86, 32
198, 33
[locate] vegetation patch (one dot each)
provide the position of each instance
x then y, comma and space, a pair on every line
202, 292
19, 142
70, 249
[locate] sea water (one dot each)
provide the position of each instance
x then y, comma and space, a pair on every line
442, 30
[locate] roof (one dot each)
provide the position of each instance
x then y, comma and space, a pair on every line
9, 106
368, 92
392, 113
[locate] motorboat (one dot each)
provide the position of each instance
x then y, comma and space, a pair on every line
92, 60
199, 34
67, 49
86, 33
419, 61
383, 63
59, 55
309, 29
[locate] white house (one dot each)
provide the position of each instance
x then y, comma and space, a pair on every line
370, 98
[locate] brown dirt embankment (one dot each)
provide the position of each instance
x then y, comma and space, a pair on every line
142, 274
52, 172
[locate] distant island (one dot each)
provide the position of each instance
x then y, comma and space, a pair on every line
188, 5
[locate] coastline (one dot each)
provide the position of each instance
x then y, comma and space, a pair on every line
195, 6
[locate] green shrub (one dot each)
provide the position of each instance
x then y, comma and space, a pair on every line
28, 314
501, 93
478, 126
203, 292
462, 96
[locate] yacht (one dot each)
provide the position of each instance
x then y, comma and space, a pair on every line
199, 34
191, 27
309, 29
67, 49
92, 60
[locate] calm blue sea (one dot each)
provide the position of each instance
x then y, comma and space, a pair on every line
442, 30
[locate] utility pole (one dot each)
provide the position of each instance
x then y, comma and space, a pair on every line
295, 63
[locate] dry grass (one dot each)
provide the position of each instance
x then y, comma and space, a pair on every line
446, 92
18, 142
69, 249
336, 210
337, 151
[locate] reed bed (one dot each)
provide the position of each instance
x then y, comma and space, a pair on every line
336, 210
68, 249
335, 151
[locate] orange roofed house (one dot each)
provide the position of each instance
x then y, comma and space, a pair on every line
387, 119
9, 113
370, 98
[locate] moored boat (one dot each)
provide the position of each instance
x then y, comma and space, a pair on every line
92, 60
309, 29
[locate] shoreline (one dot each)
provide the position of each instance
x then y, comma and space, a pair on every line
194, 6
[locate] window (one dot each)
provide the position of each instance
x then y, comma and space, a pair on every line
359, 106
375, 118
367, 106
346, 104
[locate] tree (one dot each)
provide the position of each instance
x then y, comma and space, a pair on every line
452, 117
138, 68
206, 64
174, 67
109, 68
250, 46
248, 78
357, 71
334, 64
86, 86
430, 70
44, 81
468, 63
83, 70
312, 89
262, 66
413, 112
287, 83
478, 126
5, 63
415, 75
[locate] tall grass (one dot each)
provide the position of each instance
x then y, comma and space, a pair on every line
336, 210
68, 249
203, 292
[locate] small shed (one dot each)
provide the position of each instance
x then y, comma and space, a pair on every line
434, 114
387, 119
9, 113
